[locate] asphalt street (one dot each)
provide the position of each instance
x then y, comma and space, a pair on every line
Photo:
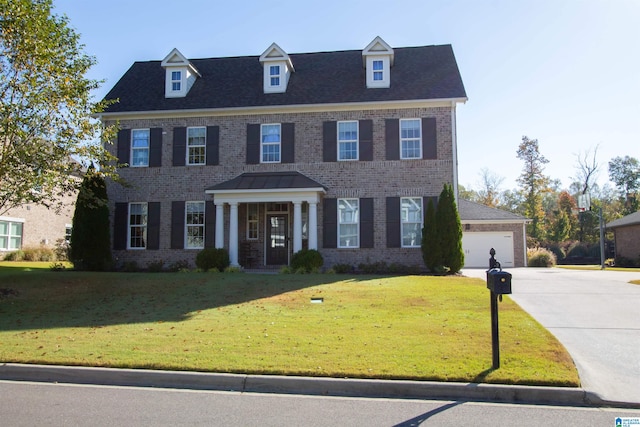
29, 404
595, 315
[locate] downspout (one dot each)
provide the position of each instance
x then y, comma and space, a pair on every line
524, 236
454, 147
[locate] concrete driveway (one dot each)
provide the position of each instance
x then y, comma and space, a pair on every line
595, 315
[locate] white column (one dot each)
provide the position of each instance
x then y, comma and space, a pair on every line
312, 228
297, 226
233, 234
219, 225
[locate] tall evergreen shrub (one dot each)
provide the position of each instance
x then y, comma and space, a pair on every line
449, 230
90, 240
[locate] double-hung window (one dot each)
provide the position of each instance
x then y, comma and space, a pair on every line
410, 139
252, 221
140, 147
274, 75
348, 140
411, 221
348, 223
196, 145
138, 218
270, 139
10, 235
176, 81
378, 70
194, 225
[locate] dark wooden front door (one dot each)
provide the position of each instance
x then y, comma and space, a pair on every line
277, 239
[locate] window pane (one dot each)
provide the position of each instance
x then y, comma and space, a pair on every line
270, 133
176, 75
377, 65
15, 242
3, 242
4, 228
410, 139
411, 235
16, 229
411, 217
274, 70
348, 226
140, 138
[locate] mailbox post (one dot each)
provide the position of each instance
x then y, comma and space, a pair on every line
499, 283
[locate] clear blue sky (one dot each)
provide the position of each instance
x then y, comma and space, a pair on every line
565, 72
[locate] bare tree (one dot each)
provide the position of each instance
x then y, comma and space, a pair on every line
587, 169
489, 193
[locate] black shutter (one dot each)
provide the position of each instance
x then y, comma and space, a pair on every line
425, 203
177, 225
392, 136
366, 223
120, 226
213, 145
253, 144
366, 140
393, 222
287, 146
124, 146
153, 226
155, 147
330, 223
179, 146
429, 138
209, 224
329, 142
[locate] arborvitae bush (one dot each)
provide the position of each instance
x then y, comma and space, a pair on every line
449, 231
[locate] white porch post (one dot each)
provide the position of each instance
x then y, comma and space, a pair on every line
219, 225
233, 234
297, 226
313, 225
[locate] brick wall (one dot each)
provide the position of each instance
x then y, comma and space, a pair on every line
376, 179
628, 241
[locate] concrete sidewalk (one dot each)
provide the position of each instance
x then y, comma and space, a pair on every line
318, 386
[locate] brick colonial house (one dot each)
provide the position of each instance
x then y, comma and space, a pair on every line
266, 155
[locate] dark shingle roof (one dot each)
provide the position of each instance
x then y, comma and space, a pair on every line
631, 219
267, 181
471, 211
428, 72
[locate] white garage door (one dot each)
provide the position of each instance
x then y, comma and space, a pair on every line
477, 245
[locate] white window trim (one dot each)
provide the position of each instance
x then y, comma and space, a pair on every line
412, 139
146, 226
357, 141
9, 220
279, 144
187, 225
188, 163
386, 73
253, 221
133, 148
403, 222
178, 81
356, 222
279, 76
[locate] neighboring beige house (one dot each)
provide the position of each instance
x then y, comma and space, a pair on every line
626, 232
34, 225
484, 228
266, 155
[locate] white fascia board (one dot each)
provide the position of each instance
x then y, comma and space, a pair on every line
270, 195
304, 108
494, 221
11, 219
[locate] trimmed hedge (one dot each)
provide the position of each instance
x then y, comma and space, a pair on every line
209, 258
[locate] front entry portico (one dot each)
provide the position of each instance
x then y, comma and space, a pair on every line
276, 187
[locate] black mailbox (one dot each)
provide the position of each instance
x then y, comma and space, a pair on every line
499, 282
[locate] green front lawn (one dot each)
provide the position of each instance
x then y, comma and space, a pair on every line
414, 327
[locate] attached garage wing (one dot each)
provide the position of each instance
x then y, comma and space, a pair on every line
476, 246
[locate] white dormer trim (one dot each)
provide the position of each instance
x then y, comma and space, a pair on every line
180, 74
378, 58
277, 68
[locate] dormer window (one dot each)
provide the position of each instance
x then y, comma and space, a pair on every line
180, 75
274, 73
378, 74
277, 68
176, 81
378, 58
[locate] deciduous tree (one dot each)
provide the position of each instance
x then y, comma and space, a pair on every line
625, 173
46, 109
533, 183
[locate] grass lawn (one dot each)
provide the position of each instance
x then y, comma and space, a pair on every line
413, 327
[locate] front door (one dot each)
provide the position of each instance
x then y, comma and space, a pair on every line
277, 239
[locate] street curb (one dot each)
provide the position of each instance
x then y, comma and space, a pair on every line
317, 386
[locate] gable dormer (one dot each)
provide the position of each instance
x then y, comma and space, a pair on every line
277, 67
180, 75
377, 58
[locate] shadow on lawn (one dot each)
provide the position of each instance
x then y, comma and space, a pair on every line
43, 300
